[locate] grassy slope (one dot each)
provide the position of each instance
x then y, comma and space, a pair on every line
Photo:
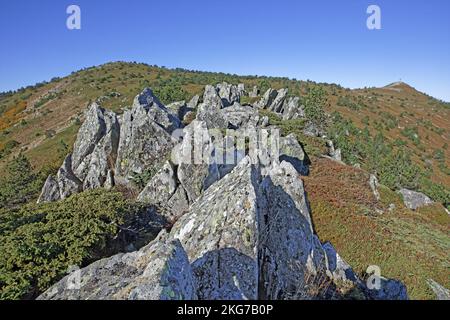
406, 245
26, 115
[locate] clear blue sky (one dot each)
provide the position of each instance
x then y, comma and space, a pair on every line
321, 40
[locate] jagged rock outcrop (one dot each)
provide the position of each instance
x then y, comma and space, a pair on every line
292, 109
197, 168
241, 117
277, 103
50, 191
338, 269
291, 151
239, 230
109, 150
93, 157
219, 236
155, 110
229, 93
67, 181
95, 149
181, 108
158, 271
145, 137
289, 252
414, 200
209, 110
166, 192
103, 158
88, 136
267, 99
248, 236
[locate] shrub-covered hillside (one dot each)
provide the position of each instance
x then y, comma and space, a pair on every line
394, 133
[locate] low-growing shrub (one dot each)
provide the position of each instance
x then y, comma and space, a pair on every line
40, 242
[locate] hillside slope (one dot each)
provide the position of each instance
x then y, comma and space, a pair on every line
394, 133
39, 117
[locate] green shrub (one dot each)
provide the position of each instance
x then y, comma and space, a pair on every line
141, 179
21, 184
170, 93
8, 148
314, 103
40, 242
396, 170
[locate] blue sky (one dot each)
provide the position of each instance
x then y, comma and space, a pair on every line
321, 40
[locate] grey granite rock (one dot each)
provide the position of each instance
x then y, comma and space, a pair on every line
414, 200
291, 151
292, 109
158, 271
277, 103
67, 181
267, 99
50, 191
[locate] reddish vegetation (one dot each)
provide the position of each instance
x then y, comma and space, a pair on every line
339, 185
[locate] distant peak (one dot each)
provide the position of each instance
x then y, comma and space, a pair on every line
399, 86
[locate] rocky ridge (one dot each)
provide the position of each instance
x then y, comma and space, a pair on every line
241, 230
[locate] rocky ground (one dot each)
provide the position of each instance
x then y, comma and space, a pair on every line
239, 230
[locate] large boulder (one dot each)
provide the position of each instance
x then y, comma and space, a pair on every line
50, 191
103, 158
165, 191
145, 137
229, 93
219, 235
267, 99
239, 116
414, 200
277, 103
67, 181
210, 111
90, 133
195, 158
155, 110
291, 151
292, 109
289, 252
243, 244
158, 271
